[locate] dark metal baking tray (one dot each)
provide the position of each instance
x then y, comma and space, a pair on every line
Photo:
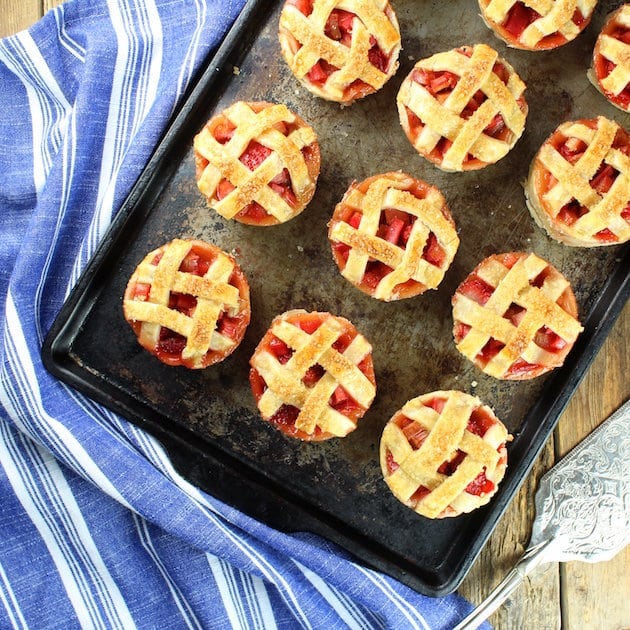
207, 419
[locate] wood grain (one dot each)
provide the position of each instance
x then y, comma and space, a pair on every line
574, 595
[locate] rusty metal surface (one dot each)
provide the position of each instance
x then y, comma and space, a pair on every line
291, 266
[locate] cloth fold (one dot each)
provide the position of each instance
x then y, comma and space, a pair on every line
97, 529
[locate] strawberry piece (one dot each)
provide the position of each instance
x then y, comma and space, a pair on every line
254, 155
224, 189
480, 485
604, 178
436, 403
394, 230
450, 466
392, 464
378, 58
497, 124
515, 314
280, 350
416, 434
476, 289
519, 18
223, 131
549, 340
303, 6
170, 343
228, 326
286, 415
313, 374
320, 72
141, 291
479, 422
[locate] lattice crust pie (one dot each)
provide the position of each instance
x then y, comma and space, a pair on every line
393, 236
610, 70
257, 163
444, 454
340, 50
537, 24
188, 303
515, 316
312, 375
578, 187
462, 109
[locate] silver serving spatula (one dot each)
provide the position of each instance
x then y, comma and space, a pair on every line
582, 509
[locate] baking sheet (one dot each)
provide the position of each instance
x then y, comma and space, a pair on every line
208, 420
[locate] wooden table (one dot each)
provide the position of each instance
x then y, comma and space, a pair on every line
574, 595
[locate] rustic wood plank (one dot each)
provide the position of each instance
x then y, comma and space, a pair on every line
18, 15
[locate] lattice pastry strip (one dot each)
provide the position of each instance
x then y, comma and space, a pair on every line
379, 195
212, 292
540, 307
610, 66
603, 214
306, 41
257, 122
419, 442
442, 114
285, 381
548, 24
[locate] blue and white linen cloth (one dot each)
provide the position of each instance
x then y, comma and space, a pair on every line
97, 530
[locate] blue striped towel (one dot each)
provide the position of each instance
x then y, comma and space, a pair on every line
97, 529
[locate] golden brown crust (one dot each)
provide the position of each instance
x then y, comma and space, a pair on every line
428, 225
515, 316
222, 291
443, 453
450, 127
569, 193
304, 43
551, 24
293, 161
321, 354
610, 67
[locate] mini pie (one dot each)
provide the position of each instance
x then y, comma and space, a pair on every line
610, 70
257, 163
312, 375
340, 50
188, 303
393, 236
515, 316
537, 24
444, 453
462, 109
578, 188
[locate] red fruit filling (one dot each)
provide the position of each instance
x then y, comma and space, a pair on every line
171, 344
475, 288
395, 227
479, 422
286, 416
440, 84
520, 16
572, 149
339, 27
603, 66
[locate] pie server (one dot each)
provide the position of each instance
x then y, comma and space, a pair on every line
582, 509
